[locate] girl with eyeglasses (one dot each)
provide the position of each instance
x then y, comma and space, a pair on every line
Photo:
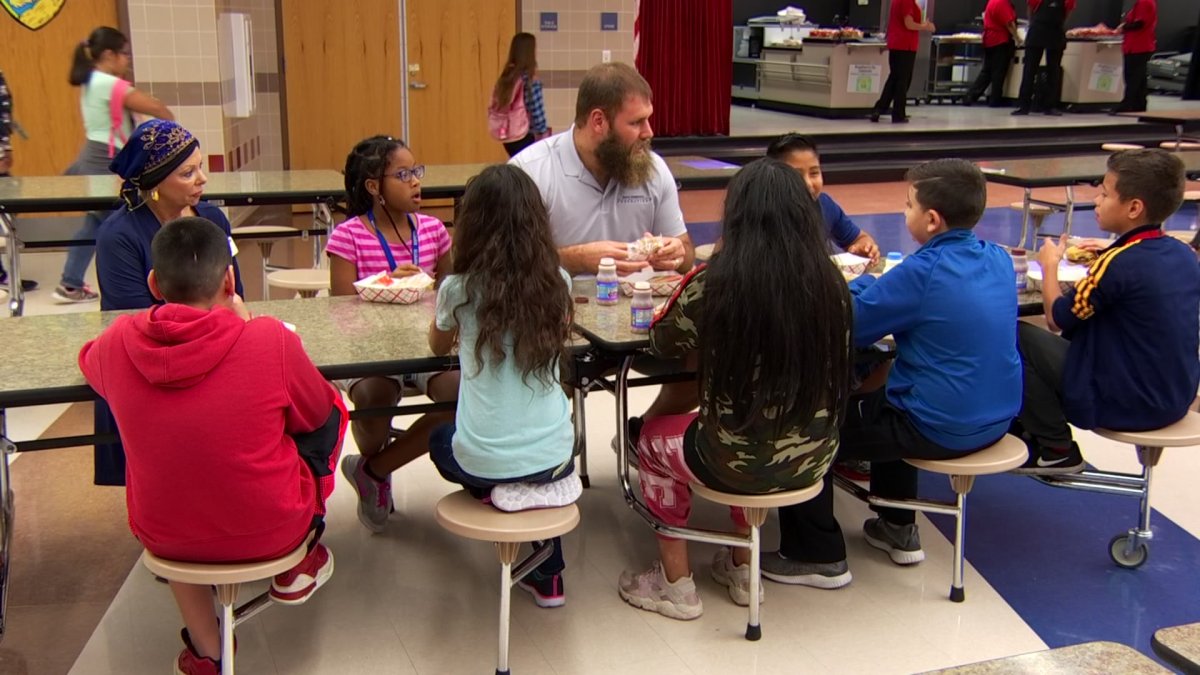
386, 233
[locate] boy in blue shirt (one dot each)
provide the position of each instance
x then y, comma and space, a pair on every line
955, 385
800, 153
1127, 356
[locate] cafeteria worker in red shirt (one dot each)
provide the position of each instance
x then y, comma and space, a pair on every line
904, 25
1138, 45
999, 46
1047, 35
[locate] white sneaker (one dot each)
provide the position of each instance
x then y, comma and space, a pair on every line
525, 496
736, 578
651, 591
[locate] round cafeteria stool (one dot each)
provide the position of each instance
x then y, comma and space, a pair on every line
306, 282
1117, 147
1132, 548
755, 508
255, 233
704, 252
462, 514
1037, 213
1176, 146
1004, 455
227, 578
1185, 236
1191, 196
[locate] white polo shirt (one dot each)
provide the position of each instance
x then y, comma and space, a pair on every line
581, 211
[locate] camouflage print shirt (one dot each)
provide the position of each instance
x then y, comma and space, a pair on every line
754, 460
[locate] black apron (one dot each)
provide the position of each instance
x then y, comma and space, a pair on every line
1048, 25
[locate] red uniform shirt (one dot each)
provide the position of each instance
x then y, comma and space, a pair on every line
996, 17
900, 38
1141, 40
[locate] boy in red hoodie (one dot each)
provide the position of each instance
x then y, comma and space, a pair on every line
230, 430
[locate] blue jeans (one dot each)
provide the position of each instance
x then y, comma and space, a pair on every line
441, 451
80, 256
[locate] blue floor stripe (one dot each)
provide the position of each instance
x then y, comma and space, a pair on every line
1045, 550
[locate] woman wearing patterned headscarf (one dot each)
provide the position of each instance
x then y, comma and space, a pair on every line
163, 180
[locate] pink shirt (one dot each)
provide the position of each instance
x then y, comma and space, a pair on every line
354, 240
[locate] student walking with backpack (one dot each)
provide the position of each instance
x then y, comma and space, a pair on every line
107, 100
517, 115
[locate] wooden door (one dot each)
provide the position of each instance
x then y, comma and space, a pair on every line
342, 77
455, 51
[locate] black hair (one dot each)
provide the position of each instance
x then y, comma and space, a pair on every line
100, 40
1153, 175
773, 291
190, 256
955, 188
368, 159
788, 143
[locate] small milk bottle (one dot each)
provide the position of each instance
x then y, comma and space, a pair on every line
1020, 261
893, 259
606, 282
641, 309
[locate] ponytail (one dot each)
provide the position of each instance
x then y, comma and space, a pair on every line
89, 51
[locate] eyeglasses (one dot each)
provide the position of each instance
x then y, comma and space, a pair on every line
406, 175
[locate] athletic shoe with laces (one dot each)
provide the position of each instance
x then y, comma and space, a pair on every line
374, 497
26, 284
190, 663
526, 496
547, 592
735, 578
901, 542
1045, 461
296, 586
817, 575
651, 591
64, 294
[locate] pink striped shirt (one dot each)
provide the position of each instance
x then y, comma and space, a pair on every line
354, 240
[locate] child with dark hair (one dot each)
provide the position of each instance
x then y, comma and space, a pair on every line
509, 309
771, 406
386, 234
955, 385
1140, 298
230, 430
800, 153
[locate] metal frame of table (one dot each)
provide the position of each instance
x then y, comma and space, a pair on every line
1177, 118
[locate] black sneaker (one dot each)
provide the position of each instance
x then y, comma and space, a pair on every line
546, 591
901, 542
1020, 111
26, 284
1051, 461
817, 575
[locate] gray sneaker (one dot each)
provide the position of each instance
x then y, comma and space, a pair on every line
817, 575
374, 497
64, 294
902, 542
651, 591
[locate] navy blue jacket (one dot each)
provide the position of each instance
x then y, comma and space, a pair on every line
952, 307
841, 229
1133, 326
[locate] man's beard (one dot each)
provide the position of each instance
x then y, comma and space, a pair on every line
630, 166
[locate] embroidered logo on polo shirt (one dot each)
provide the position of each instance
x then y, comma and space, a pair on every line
635, 199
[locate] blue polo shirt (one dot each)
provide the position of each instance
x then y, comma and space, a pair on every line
842, 231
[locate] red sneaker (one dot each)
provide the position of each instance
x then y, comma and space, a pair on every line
191, 663
296, 585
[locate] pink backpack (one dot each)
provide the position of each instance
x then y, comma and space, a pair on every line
511, 122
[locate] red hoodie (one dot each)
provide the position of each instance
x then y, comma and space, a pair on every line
205, 402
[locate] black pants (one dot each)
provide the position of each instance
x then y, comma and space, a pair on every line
995, 70
876, 431
895, 89
1043, 354
513, 147
1049, 97
1136, 87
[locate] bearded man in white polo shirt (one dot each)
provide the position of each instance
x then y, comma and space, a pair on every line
603, 188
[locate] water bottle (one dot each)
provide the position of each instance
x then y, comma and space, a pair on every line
607, 288
893, 259
1020, 260
641, 309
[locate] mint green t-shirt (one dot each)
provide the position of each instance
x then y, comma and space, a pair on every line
94, 98
506, 426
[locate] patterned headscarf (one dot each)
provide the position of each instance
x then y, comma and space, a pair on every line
157, 148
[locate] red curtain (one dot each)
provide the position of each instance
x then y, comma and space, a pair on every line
685, 52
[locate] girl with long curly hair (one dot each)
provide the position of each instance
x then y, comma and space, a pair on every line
508, 306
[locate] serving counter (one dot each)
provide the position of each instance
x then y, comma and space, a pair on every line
1092, 73
823, 78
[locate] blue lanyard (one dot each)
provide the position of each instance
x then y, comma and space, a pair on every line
387, 248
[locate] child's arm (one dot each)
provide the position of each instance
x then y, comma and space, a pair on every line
342, 275
441, 342
443, 330
673, 332
890, 304
310, 397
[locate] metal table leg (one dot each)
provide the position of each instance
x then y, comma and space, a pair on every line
6, 520
1070, 209
16, 296
1025, 221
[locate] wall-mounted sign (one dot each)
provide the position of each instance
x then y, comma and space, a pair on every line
608, 21
549, 22
33, 14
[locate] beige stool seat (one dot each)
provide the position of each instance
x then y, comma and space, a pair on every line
1185, 432
227, 578
704, 252
1191, 196
1117, 147
1176, 146
307, 282
462, 514
1037, 213
1034, 209
755, 508
1185, 236
1005, 455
